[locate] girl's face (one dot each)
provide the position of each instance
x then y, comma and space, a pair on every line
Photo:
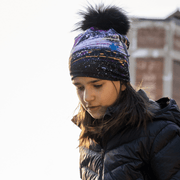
96, 95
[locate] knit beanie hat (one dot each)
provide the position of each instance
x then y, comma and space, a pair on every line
101, 50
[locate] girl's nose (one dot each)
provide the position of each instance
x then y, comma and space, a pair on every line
88, 96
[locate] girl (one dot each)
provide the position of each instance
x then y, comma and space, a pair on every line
124, 134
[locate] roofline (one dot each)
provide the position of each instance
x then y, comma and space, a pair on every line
177, 21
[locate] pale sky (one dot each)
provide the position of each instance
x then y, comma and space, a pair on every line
37, 101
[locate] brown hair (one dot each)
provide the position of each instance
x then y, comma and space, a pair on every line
131, 110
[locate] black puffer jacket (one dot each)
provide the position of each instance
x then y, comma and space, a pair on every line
151, 154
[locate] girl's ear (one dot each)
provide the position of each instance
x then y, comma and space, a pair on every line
123, 87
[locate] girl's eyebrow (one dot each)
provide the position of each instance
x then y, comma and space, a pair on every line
76, 84
94, 81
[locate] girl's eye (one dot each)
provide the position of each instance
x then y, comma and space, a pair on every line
80, 88
98, 85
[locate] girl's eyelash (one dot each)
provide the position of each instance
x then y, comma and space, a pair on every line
98, 85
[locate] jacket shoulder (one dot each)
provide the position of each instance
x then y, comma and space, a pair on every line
156, 126
163, 132
165, 151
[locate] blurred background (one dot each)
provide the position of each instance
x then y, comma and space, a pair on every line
37, 100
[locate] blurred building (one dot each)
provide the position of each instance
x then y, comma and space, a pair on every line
155, 55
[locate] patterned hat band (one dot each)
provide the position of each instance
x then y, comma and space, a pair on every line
100, 54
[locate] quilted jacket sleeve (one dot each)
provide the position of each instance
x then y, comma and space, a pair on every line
165, 153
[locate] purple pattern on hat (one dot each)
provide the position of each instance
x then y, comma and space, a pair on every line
100, 54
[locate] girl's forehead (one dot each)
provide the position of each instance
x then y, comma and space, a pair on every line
86, 80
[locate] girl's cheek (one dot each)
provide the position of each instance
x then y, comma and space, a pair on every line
80, 96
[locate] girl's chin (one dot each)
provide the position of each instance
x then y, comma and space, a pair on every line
97, 115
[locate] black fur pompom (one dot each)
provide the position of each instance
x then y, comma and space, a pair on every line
104, 18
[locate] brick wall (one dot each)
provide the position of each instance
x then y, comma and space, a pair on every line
176, 81
176, 42
154, 45
149, 71
151, 37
